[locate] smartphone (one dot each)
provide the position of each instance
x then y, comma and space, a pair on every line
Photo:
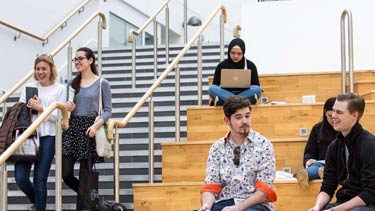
30, 93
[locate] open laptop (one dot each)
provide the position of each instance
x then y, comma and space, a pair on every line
235, 78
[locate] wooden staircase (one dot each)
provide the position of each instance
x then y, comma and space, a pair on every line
287, 126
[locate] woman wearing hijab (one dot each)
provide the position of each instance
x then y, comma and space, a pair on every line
322, 134
235, 60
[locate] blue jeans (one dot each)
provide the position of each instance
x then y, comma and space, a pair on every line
363, 208
218, 206
313, 170
37, 193
223, 94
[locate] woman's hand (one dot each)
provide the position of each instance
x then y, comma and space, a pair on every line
91, 131
70, 106
309, 162
35, 104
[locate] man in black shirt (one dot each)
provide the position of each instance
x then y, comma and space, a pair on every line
350, 161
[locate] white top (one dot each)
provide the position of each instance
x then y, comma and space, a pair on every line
48, 95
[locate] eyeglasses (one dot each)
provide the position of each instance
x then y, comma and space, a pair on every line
80, 58
237, 155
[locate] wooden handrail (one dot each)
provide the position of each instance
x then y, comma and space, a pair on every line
140, 30
53, 53
41, 118
135, 109
54, 29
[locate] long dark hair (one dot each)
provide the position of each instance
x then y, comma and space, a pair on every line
76, 83
327, 128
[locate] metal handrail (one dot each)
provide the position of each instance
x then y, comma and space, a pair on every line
347, 14
133, 32
112, 123
236, 30
61, 24
54, 52
21, 139
116, 123
41, 118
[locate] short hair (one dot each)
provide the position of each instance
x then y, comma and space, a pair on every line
355, 102
47, 58
234, 103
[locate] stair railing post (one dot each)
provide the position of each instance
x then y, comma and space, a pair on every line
4, 187
155, 49
58, 164
116, 160
133, 62
167, 35
151, 141
185, 22
177, 103
347, 14
69, 68
221, 37
4, 175
100, 46
199, 55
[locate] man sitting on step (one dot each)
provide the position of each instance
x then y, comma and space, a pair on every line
241, 165
350, 161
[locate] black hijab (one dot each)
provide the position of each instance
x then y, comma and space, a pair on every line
229, 63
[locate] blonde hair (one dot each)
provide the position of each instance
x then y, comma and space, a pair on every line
49, 60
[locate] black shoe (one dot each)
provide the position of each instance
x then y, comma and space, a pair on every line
253, 101
218, 102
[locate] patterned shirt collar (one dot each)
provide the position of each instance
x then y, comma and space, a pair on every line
228, 139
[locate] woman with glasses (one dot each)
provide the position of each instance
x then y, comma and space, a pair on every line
79, 140
240, 166
49, 92
236, 60
322, 134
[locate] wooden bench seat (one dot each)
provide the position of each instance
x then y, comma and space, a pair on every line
273, 121
290, 87
185, 196
186, 161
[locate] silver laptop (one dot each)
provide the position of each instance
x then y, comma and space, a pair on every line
235, 78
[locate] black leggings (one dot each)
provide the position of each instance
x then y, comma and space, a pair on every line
68, 171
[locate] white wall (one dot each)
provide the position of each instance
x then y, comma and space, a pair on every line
17, 57
304, 35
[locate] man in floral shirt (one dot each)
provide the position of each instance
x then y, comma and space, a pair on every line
241, 165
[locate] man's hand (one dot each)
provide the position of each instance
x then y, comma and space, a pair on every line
315, 208
232, 208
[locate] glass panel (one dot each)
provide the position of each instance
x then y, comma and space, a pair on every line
117, 36
149, 39
118, 32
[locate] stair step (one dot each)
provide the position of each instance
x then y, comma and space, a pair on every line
186, 161
206, 123
184, 196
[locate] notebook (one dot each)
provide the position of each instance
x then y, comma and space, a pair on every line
235, 78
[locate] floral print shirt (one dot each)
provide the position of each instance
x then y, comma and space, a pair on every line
257, 162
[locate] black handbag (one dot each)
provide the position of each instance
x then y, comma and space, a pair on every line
88, 191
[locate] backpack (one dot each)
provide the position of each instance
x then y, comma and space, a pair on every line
109, 205
18, 117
